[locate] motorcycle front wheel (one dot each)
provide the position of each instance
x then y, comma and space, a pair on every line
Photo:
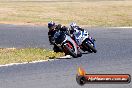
91, 47
70, 51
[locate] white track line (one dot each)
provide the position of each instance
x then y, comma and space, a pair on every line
6, 65
12, 64
120, 27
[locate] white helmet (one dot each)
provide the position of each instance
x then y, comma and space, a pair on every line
74, 28
73, 24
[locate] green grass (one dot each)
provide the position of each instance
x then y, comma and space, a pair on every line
12, 55
88, 13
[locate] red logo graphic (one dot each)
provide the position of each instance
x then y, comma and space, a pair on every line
83, 78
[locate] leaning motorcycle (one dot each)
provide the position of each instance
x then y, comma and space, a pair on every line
86, 42
66, 44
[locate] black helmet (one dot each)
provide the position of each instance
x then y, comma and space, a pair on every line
51, 25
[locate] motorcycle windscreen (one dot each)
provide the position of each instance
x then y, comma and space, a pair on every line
59, 37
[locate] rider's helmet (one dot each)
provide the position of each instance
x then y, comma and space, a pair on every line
72, 25
51, 25
74, 28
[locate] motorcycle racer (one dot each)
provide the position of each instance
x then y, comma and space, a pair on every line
76, 33
53, 28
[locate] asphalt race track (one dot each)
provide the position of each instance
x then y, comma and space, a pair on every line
114, 55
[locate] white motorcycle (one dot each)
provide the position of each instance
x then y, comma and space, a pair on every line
85, 41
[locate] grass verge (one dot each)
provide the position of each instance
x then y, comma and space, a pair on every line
98, 13
12, 55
